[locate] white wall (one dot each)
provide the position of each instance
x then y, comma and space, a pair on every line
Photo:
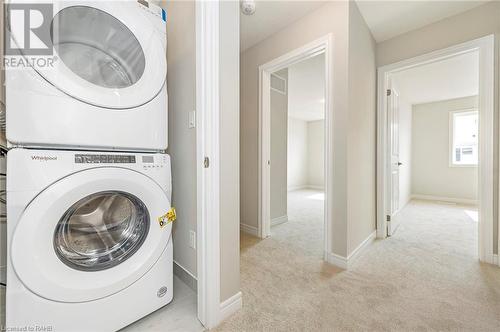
229, 52
306, 89
432, 174
361, 137
305, 154
405, 151
306, 110
316, 154
297, 154
181, 82
279, 119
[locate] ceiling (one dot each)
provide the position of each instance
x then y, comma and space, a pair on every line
387, 19
270, 17
306, 89
455, 77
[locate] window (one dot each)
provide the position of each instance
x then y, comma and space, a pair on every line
464, 128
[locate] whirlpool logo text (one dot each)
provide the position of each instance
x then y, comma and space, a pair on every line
43, 158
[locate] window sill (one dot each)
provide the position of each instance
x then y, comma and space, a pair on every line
464, 166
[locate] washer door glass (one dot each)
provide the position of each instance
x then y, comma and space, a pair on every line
97, 47
101, 230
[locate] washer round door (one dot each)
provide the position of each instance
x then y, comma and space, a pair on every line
108, 55
90, 234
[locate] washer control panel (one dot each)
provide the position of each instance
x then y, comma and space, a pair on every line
104, 159
154, 161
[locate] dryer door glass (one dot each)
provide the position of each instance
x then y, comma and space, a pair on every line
101, 231
97, 47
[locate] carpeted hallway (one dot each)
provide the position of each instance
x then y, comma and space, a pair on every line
425, 277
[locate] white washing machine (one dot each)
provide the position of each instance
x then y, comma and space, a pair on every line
89, 239
105, 88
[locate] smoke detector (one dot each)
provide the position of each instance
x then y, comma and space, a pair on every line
248, 7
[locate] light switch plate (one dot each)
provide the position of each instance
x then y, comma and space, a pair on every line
192, 239
192, 119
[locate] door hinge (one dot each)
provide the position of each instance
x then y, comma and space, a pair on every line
388, 218
206, 162
389, 92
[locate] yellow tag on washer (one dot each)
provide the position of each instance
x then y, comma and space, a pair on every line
171, 215
167, 218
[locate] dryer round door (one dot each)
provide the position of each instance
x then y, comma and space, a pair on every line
108, 55
90, 234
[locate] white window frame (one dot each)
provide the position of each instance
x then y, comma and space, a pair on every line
451, 129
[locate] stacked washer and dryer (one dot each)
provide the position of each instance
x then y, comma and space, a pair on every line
88, 182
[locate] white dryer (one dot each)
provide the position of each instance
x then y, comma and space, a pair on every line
89, 239
103, 88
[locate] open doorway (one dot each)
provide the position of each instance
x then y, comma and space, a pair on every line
435, 168
299, 82
297, 182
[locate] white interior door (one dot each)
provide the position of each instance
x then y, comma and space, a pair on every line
394, 163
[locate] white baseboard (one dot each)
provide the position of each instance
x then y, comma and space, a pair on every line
336, 260
305, 186
346, 262
445, 199
230, 306
279, 220
245, 228
186, 276
293, 188
495, 260
366, 242
315, 187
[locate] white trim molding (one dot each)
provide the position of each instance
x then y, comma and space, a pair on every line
304, 187
294, 188
485, 48
324, 46
248, 229
451, 137
346, 262
207, 146
186, 276
362, 246
463, 201
315, 187
279, 220
337, 260
230, 306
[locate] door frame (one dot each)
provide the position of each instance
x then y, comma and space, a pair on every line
322, 45
207, 177
485, 47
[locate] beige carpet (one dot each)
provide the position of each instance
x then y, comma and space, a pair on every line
424, 278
